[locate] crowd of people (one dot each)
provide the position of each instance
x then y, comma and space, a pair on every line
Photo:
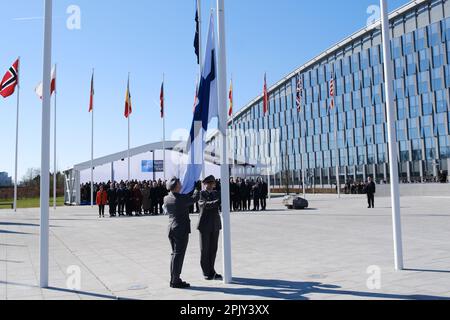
137, 198
127, 198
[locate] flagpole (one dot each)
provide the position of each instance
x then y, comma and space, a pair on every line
164, 128
45, 147
200, 65
225, 173
17, 138
128, 118
393, 160
54, 150
92, 152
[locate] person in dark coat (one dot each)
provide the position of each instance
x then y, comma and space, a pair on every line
232, 194
256, 191
154, 198
264, 194
177, 206
245, 195
146, 203
129, 200
121, 200
370, 190
137, 200
209, 225
112, 200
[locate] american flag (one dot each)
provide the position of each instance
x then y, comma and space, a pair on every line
332, 91
299, 92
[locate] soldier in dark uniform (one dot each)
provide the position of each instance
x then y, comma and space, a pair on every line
256, 191
209, 225
112, 200
370, 190
245, 194
177, 206
264, 194
129, 199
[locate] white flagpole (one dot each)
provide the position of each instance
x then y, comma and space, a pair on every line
92, 152
338, 178
225, 173
129, 115
200, 65
17, 138
54, 152
393, 160
164, 128
45, 146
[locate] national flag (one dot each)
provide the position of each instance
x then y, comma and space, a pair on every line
161, 98
265, 96
197, 34
230, 98
332, 91
205, 110
128, 105
10, 80
91, 100
39, 90
299, 92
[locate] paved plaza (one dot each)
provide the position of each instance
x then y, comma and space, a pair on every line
320, 253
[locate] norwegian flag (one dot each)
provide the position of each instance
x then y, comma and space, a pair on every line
10, 80
332, 91
299, 92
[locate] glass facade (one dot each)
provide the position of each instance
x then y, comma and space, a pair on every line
420, 49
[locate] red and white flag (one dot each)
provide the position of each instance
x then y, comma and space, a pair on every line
10, 80
161, 99
332, 91
230, 98
91, 99
40, 88
266, 96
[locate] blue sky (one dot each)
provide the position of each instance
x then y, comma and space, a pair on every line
149, 38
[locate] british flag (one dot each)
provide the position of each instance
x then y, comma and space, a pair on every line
299, 92
332, 91
10, 80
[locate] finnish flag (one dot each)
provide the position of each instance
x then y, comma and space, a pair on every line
205, 110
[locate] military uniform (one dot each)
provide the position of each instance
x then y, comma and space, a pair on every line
177, 206
209, 226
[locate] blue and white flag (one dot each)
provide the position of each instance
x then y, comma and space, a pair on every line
205, 110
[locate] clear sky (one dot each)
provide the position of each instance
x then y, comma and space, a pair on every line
149, 38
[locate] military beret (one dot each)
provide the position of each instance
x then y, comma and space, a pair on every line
209, 179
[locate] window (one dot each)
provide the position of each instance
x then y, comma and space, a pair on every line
369, 135
379, 133
411, 85
416, 150
408, 43
444, 147
424, 82
404, 151
414, 110
356, 97
434, 33
367, 78
398, 65
350, 120
355, 63
424, 61
398, 89
421, 39
375, 56
361, 155
441, 124
379, 114
401, 130
441, 101
438, 56
436, 79
401, 110
396, 48
382, 158
430, 149
427, 104
359, 141
411, 67
365, 61
427, 126
377, 75
413, 129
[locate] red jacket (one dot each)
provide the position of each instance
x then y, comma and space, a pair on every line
102, 198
